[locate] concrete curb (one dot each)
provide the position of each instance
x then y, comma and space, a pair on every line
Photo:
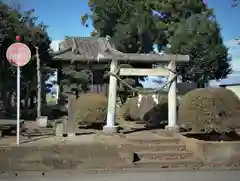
110, 170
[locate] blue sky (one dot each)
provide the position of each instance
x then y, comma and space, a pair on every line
63, 19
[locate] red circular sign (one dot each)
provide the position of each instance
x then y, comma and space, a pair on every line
18, 54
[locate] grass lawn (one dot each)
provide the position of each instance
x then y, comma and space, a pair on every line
51, 100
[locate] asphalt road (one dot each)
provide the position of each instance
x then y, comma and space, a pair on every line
142, 176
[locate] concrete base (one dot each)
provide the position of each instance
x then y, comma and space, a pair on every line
71, 134
42, 121
172, 129
110, 129
59, 129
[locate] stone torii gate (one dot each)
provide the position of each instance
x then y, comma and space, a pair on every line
99, 51
171, 60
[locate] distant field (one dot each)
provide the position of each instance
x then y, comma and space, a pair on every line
51, 99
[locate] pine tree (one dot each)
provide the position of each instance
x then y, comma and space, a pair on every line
74, 82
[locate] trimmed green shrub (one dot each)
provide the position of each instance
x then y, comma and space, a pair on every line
208, 109
150, 110
91, 109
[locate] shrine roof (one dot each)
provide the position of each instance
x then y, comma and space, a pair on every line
99, 49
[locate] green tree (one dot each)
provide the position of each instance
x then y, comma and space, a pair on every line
13, 23
74, 82
200, 38
8, 23
135, 26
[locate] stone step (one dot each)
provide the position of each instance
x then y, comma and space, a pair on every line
160, 140
183, 163
164, 155
160, 147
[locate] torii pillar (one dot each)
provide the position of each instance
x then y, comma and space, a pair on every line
172, 126
110, 126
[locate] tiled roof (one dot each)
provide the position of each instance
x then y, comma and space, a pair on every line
85, 48
103, 50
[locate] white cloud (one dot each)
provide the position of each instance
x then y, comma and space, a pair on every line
236, 64
55, 44
234, 51
231, 43
149, 83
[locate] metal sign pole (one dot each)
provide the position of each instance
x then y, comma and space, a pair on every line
18, 54
18, 105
